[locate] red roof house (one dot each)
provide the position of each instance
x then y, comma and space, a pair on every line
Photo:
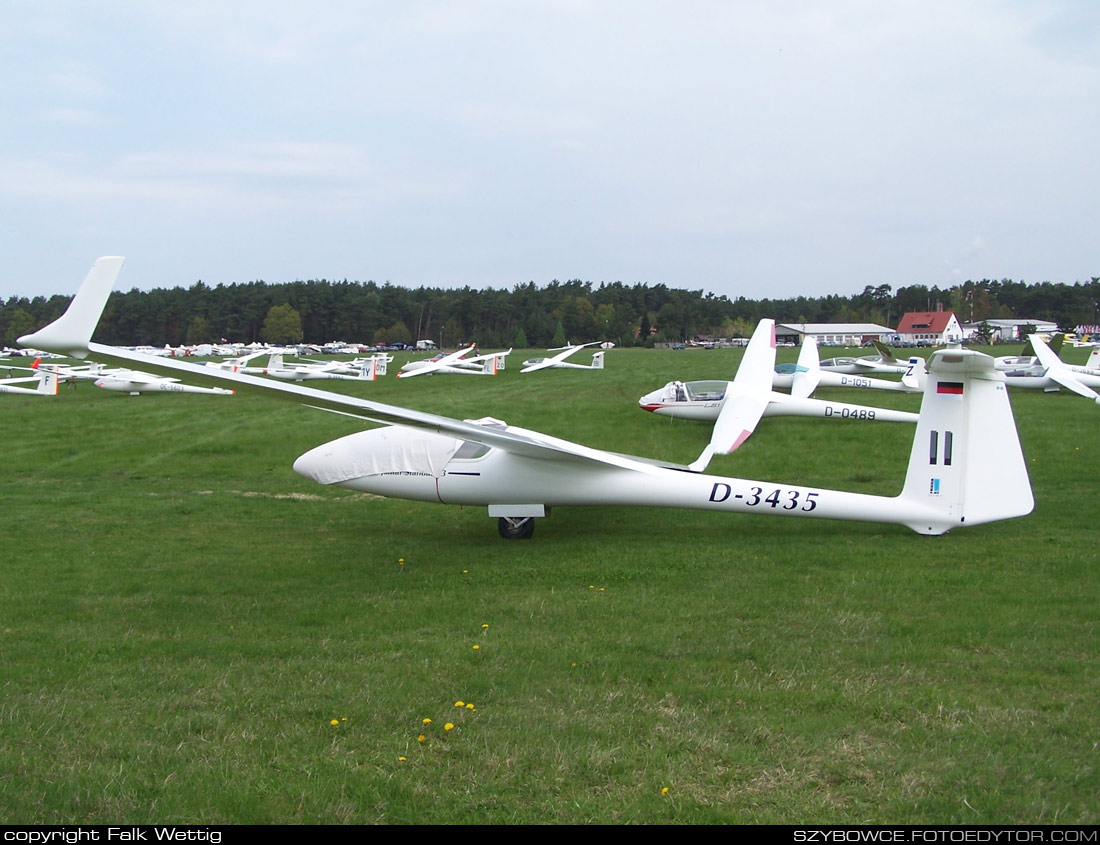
930, 327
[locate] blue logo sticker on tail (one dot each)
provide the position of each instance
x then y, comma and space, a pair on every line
934, 487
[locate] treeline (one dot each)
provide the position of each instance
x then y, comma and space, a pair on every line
525, 316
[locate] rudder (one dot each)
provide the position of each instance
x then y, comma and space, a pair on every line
966, 464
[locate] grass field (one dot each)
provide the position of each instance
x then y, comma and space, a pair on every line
184, 617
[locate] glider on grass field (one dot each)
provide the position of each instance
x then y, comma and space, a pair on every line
1052, 373
135, 383
304, 372
803, 378
1027, 359
66, 372
377, 363
884, 362
737, 406
457, 363
46, 379
558, 361
123, 381
965, 467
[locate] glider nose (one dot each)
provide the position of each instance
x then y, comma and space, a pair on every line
315, 463
651, 401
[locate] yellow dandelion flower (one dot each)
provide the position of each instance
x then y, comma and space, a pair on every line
421, 738
448, 726
664, 790
334, 722
469, 707
464, 571
343, 718
401, 561
401, 759
460, 704
426, 721
486, 625
477, 647
591, 586
601, 589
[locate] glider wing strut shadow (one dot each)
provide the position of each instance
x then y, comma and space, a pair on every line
966, 466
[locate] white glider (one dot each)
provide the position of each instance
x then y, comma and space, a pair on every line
558, 361
803, 378
737, 406
884, 362
135, 383
305, 372
965, 468
457, 363
1055, 373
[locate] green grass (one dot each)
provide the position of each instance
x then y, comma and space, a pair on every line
183, 615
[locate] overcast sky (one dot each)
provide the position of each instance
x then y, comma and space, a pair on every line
771, 148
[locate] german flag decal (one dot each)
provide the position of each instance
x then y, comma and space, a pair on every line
954, 388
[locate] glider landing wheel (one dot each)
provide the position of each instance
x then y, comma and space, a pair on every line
516, 528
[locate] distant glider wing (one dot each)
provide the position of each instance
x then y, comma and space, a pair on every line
72, 332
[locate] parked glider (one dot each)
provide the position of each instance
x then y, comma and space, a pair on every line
1053, 373
884, 362
1027, 359
803, 378
304, 372
965, 467
737, 406
66, 372
135, 383
378, 363
122, 380
457, 363
558, 361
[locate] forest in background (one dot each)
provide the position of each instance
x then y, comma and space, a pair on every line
526, 315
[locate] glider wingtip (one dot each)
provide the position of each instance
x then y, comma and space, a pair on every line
72, 331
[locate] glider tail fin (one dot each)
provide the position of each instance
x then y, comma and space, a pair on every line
808, 374
916, 375
71, 333
966, 465
275, 361
597, 361
47, 382
886, 354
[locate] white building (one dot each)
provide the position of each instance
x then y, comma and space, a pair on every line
831, 334
1009, 330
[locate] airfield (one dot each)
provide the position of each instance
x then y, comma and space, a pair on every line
195, 634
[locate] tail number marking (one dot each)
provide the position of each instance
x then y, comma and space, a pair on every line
790, 499
850, 413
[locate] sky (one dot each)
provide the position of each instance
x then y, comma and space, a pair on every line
774, 148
